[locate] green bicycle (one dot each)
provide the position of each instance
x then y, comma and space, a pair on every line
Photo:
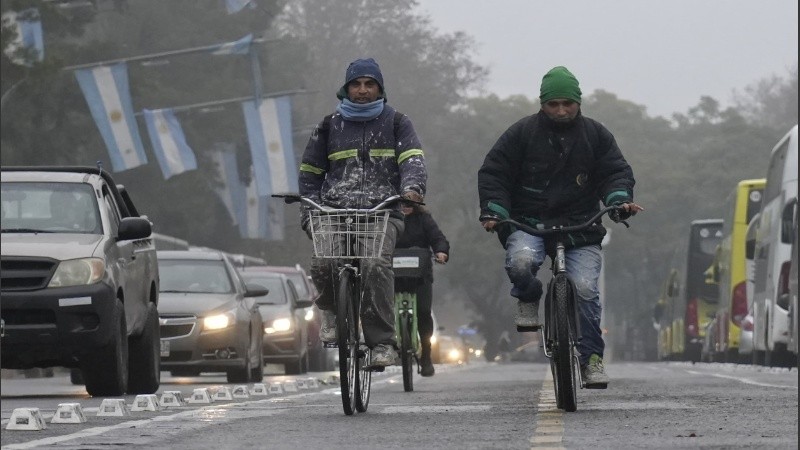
410, 264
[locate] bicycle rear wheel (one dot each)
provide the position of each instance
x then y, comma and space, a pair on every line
562, 363
346, 339
406, 352
363, 378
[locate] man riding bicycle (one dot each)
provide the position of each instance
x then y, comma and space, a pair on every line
553, 168
362, 154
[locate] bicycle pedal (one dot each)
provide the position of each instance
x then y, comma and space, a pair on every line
521, 329
330, 344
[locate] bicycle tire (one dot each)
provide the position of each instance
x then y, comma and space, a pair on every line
564, 354
406, 352
364, 360
347, 343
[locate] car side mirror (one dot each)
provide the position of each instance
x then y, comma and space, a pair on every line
304, 303
255, 290
131, 228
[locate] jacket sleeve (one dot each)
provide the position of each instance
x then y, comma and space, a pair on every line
410, 158
614, 174
436, 239
497, 175
314, 164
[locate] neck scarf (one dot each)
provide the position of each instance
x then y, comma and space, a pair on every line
358, 111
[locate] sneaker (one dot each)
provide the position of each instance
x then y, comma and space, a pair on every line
594, 374
426, 367
327, 329
527, 318
383, 355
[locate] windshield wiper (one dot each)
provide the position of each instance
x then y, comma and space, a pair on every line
25, 230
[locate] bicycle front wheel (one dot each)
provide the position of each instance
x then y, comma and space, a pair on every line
406, 352
562, 363
346, 339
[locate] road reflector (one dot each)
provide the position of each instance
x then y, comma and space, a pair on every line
113, 407
259, 389
26, 419
290, 386
199, 395
146, 402
68, 413
223, 393
172, 398
301, 384
240, 392
275, 388
312, 383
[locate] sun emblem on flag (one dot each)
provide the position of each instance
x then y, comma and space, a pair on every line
162, 127
274, 146
116, 115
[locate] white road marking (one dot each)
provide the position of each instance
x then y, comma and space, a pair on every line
549, 430
744, 380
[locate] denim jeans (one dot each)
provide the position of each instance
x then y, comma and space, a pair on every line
526, 253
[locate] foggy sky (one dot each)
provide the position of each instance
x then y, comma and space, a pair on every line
661, 54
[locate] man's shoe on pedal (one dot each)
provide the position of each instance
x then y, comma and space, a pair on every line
527, 318
426, 367
383, 355
594, 373
327, 329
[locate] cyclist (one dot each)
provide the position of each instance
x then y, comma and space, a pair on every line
422, 231
550, 168
360, 155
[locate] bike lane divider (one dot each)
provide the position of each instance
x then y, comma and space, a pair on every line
548, 433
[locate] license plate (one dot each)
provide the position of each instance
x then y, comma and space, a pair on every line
164, 348
405, 262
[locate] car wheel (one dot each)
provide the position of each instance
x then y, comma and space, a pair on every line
105, 371
257, 371
144, 356
76, 377
241, 374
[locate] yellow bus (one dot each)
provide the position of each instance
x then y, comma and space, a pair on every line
731, 273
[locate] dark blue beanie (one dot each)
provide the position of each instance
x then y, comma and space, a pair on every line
362, 68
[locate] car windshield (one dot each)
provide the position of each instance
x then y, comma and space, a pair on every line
276, 295
186, 275
299, 284
50, 208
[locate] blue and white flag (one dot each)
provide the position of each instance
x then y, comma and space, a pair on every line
234, 6
269, 131
28, 27
106, 91
240, 47
169, 143
232, 190
263, 216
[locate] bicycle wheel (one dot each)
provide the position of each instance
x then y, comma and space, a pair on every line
564, 377
347, 342
406, 352
364, 361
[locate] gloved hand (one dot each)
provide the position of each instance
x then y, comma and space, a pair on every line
618, 215
413, 196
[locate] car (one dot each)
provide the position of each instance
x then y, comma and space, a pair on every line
451, 350
209, 317
79, 279
284, 314
320, 359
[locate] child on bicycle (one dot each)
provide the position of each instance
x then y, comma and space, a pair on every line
362, 154
422, 231
553, 168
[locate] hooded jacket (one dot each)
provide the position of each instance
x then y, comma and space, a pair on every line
358, 164
544, 174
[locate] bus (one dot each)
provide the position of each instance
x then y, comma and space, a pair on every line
742, 205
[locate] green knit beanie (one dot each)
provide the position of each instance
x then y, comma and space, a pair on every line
559, 83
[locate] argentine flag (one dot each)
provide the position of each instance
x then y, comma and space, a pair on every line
108, 95
232, 190
269, 132
28, 26
234, 6
169, 143
263, 216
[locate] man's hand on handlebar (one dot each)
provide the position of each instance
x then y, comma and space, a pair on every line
625, 211
489, 222
441, 257
413, 196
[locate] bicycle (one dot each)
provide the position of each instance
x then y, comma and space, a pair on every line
409, 265
561, 332
346, 237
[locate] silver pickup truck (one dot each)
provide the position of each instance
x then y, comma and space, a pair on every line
79, 280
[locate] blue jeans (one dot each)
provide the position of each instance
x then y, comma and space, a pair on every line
526, 253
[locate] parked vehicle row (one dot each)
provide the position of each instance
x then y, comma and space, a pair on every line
737, 301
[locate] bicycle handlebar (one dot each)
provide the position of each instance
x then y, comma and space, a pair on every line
294, 198
564, 229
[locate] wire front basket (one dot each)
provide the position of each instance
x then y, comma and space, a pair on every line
340, 235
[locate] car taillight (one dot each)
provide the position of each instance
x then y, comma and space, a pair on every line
782, 297
691, 318
739, 303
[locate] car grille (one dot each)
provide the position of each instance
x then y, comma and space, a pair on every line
176, 326
25, 274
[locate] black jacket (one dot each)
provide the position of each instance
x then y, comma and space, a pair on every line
422, 231
541, 173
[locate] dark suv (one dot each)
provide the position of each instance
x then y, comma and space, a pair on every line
79, 279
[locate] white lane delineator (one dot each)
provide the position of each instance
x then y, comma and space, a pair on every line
301, 384
275, 388
26, 419
259, 389
290, 386
222, 394
113, 407
68, 413
146, 402
171, 399
240, 391
199, 395
312, 383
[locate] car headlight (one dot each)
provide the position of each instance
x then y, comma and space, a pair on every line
278, 325
217, 321
77, 272
309, 314
454, 354
433, 339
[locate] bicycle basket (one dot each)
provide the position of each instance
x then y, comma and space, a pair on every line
338, 235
